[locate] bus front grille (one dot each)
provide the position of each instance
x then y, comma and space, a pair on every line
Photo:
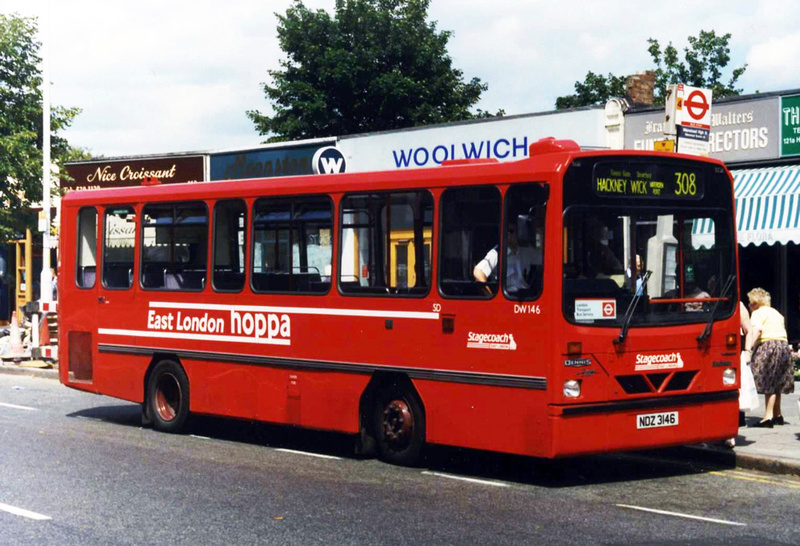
656, 382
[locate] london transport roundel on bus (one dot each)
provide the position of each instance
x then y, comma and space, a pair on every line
329, 160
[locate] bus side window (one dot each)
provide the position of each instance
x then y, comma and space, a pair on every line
292, 244
470, 237
119, 234
87, 248
174, 246
386, 243
524, 241
230, 219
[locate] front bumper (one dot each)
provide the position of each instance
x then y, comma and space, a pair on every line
612, 426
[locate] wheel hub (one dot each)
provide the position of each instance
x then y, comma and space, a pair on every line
398, 422
168, 397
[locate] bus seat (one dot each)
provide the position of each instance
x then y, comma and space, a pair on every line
87, 276
228, 280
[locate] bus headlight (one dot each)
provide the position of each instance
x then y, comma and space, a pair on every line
572, 388
729, 376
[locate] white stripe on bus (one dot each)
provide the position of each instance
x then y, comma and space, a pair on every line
194, 337
297, 310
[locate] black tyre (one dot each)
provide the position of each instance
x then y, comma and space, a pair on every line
399, 426
167, 402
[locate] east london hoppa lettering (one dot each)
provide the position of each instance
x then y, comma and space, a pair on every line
254, 325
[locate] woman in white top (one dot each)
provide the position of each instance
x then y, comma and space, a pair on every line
771, 360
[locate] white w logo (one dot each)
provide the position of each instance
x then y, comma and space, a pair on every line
331, 165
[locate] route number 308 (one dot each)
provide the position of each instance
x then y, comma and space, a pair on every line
687, 183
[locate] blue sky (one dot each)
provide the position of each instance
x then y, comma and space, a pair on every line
169, 76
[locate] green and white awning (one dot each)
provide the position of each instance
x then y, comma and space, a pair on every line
767, 205
767, 208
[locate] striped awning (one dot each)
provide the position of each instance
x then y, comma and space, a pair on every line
767, 205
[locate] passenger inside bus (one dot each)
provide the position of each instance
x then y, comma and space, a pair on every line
601, 260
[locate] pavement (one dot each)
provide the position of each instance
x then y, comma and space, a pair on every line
775, 450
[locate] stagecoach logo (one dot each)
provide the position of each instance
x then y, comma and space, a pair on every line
328, 160
666, 361
491, 341
222, 325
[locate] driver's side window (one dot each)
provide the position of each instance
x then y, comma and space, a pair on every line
470, 242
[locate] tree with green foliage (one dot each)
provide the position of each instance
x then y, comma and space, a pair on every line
21, 125
702, 66
595, 89
376, 65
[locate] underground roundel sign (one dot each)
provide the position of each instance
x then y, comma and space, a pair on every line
695, 107
329, 160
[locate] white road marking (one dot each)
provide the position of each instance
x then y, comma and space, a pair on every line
14, 406
22, 512
199, 437
465, 479
307, 453
679, 515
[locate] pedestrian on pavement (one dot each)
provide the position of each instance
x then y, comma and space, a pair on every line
748, 395
771, 360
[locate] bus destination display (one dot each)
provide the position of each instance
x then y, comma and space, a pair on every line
654, 180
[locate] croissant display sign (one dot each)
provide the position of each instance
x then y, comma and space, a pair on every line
131, 172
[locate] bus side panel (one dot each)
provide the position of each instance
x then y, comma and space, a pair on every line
481, 417
120, 376
325, 400
321, 400
219, 388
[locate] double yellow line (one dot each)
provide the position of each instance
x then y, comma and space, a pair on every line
788, 483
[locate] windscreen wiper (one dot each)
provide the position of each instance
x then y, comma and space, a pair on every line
631, 308
725, 289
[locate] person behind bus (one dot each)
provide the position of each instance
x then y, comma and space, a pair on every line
771, 360
519, 265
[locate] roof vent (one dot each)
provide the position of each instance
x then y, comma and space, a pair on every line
550, 145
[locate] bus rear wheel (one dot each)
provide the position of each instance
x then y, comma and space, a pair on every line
168, 397
399, 425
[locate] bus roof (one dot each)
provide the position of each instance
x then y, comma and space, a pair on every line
545, 156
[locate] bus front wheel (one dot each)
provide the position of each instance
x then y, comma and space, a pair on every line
168, 397
399, 425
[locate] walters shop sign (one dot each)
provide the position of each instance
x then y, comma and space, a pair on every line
114, 174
